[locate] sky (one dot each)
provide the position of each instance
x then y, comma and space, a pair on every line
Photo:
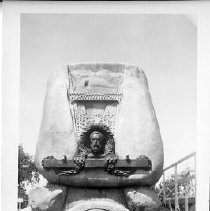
164, 46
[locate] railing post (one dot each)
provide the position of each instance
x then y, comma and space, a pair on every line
176, 183
20, 200
18, 206
176, 189
164, 189
170, 207
186, 206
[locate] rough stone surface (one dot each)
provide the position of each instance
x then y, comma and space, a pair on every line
142, 198
96, 205
84, 194
136, 130
57, 137
49, 198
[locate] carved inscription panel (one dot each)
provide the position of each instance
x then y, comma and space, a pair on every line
94, 108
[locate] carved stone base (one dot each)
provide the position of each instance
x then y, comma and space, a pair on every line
112, 195
63, 198
142, 198
49, 198
96, 205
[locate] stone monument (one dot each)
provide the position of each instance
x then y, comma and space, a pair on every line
99, 146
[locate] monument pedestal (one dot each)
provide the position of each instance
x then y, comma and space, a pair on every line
94, 194
60, 198
50, 198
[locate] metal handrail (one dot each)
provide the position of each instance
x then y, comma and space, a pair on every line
174, 165
180, 161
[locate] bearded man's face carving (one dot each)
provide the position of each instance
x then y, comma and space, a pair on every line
96, 143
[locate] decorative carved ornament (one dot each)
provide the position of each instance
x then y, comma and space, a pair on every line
123, 167
95, 96
106, 117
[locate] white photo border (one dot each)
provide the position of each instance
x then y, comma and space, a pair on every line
11, 79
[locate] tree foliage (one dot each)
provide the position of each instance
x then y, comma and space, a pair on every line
185, 181
27, 171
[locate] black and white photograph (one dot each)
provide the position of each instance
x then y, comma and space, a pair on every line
107, 112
